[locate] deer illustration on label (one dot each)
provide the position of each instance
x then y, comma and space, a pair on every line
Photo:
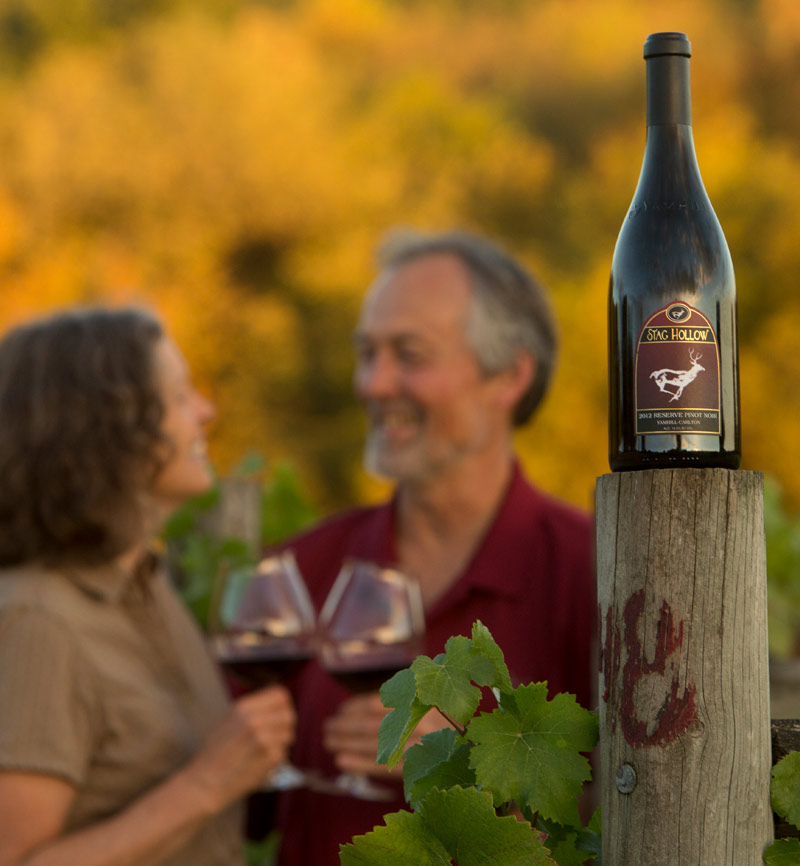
678, 379
668, 371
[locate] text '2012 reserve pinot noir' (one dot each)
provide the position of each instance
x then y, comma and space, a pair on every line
673, 377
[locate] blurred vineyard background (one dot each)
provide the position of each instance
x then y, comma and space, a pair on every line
233, 164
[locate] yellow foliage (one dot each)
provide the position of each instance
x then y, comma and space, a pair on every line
346, 25
769, 373
781, 22
236, 172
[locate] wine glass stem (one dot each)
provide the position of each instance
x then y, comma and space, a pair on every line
284, 778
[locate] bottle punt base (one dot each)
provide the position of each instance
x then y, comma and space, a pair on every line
671, 460
633, 460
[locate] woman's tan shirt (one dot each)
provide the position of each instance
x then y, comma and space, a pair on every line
105, 681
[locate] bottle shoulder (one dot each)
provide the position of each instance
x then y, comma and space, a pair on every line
672, 245
670, 183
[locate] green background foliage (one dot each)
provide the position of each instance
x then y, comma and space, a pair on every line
785, 794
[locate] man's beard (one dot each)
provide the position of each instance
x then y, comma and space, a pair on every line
376, 460
414, 462
406, 463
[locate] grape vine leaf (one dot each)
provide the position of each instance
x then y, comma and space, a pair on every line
445, 681
494, 671
563, 849
590, 837
459, 825
565, 843
785, 788
441, 761
529, 751
465, 822
403, 839
784, 852
399, 692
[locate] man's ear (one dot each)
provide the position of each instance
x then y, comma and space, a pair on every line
516, 379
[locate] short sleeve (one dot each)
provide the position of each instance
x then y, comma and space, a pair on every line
45, 705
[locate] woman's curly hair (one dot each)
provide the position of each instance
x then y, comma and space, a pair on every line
80, 419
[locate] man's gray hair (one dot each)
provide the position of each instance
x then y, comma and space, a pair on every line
511, 312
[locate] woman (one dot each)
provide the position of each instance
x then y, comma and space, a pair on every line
117, 743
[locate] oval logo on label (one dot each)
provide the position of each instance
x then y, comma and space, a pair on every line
678, 313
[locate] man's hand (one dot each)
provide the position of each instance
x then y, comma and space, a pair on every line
352, 734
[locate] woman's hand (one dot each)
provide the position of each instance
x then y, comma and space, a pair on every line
247, 745
237, 756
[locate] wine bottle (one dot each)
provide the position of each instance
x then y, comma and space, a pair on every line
673, 377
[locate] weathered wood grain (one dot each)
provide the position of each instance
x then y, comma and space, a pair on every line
237, 513
684, 679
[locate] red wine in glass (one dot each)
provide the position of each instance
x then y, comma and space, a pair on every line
264, 663
364, 675
371, 626
263, 631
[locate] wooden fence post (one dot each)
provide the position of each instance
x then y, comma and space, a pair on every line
684, 686
237, 514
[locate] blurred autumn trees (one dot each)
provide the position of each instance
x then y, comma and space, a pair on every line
234, 164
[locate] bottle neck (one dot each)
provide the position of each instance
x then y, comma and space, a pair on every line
668, 91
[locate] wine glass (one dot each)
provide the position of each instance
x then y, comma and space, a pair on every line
262, 630
371, 626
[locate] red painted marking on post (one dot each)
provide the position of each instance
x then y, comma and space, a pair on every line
609, 659
677, 712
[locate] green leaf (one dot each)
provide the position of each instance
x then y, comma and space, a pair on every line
565, 852
785, 788
263, 853
184, 520
483, 644
563, 848
783, 565
404, 839
399, 693
252, 463
529, 751
589, 838
445, 682
285, 508
565, 843
465, 822
784, 852
441, 761
457, 825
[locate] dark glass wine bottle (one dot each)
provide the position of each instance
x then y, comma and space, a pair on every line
673, 377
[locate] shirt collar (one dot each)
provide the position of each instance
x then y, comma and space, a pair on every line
501, 565
109, 581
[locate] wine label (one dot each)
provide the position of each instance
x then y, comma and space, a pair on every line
677, 373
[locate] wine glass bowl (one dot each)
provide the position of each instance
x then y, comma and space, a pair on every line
371, 626
262, 630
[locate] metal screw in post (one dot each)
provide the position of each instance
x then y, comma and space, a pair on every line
626, 779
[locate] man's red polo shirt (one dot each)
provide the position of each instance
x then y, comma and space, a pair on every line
531, 582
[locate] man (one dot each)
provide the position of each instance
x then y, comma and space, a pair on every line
454, 348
